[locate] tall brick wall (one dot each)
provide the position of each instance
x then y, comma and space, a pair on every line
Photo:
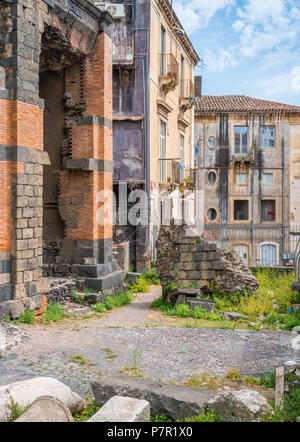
26, 38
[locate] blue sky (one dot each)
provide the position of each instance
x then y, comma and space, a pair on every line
249, 47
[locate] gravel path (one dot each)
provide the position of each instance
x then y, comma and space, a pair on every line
132, 336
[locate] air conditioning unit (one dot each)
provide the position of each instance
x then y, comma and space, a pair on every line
117, 10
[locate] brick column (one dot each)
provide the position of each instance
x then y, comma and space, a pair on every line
88, 243
21, 159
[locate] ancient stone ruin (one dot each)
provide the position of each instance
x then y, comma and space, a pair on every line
190, 266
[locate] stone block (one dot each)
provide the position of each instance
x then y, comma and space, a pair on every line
205, 304
189, 266
240, 406
186, 257
46, 409
174, 401
208, 274
106, 282
16, 309
193, 276
132, 277
203, 265
123, 409
43, 285
26, 392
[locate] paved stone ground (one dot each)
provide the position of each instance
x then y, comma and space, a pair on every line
137, 336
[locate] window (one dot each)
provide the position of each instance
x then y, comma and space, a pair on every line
182, 76
162, 149
181, 155
268, 255
268, 208
241, 179
212, 142
211, 214
162, 50
212, 178
268, 178
241, 210
240, 139
267, 136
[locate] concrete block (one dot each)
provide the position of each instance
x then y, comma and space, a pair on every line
123, 409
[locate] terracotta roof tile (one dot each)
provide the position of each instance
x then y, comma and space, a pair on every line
240, 103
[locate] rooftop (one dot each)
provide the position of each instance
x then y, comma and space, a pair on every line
240, 103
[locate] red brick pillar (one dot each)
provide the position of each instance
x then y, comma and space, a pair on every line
89, 176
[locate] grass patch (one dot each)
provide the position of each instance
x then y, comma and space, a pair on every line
54, 312
270, 303
78, 359
16, 410
151, 276
139, 286
77, 297
28, 317
289, 410
88, 412
112, 302
208, 417
109, 354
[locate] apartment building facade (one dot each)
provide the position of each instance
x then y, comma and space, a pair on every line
249, 171
153, 99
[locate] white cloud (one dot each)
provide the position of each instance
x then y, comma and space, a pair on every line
282, 84
219, 60
265, 26
196, 14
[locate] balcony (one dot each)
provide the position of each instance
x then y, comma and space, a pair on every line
168, 76
123, 48
187, 95
243, 158
170, 172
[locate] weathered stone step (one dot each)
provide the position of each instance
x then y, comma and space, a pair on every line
106, 282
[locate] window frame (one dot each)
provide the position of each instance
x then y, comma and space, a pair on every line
267, 127
241, 152
241, 184
233, 215
275, 210
162, 149
268, 173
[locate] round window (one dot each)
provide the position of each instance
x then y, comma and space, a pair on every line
212, 142
211, 214
212, 178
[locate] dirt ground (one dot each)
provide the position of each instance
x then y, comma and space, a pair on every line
77, 351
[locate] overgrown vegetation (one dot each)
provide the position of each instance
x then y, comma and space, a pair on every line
54, 312
16, 410
28, 317
268, 307
112, 301
151, 276
208, 417
289, 410
88, 412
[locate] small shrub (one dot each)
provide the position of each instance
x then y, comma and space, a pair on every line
233, 375
77, 297
160, 418
78, 359
99, 308
151, 276
139, 286
252, 380
183, 311
289, 411
88, 412
208, 417
54, 312
28, 317
16, 410
109, 303
268, 379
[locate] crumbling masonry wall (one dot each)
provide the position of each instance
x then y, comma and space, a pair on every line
33, 35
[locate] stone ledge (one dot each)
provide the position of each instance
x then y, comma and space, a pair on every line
106, 282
